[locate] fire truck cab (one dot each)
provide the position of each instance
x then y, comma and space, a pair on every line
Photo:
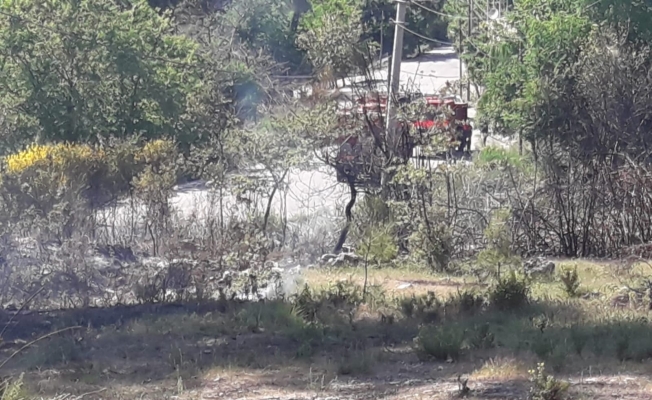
458, 116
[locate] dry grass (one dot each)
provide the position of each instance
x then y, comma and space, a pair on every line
501, 368
396, 282
348, 349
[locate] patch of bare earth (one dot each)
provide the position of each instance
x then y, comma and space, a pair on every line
404, 380
395, 282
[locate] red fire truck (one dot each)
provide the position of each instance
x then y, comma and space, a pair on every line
457, 116
374, 106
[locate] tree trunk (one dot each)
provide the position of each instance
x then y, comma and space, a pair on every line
349, 216
268, 210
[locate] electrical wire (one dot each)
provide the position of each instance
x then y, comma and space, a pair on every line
437, 12
439, 41
402, 25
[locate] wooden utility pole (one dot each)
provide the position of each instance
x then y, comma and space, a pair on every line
380, 57
470, 28
391, 128
397, 56
459, 33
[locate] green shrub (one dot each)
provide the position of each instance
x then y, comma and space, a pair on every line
466, 301
482, 337
378, 246
492, 156
408, 306
510, 293
433, 245
312, 305
498, 256
546, 387
571, 282
439, 343
426, 307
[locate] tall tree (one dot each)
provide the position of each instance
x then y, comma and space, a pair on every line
537, 47
331, 35
74, 70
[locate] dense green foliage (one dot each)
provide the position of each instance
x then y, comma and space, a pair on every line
267, 26
76, 70
570, 77
83, 70
528, 62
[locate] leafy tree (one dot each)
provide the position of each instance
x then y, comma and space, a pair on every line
571, 76
268, 26
527, 62
345, 9
374, 21
376, 16
428, 24
75, 70
277, 146
332, 40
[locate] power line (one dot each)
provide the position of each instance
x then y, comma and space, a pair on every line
436, 12
420, 35
442, 42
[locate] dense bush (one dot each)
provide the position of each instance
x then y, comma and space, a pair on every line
440, 343
42, 177
546, 387
510, 293
571, 281
130, 75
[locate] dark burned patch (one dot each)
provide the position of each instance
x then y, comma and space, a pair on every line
29, 324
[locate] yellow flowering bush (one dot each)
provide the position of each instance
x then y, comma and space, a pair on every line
34, 155
157, 151
74, 161
44, 175
62, 157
